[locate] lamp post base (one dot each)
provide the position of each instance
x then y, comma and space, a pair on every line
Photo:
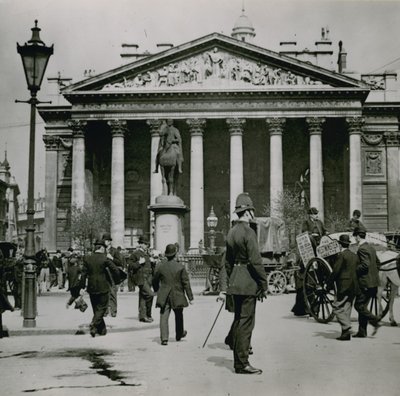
29, 323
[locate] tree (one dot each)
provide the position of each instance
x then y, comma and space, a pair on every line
88, 224
290, 205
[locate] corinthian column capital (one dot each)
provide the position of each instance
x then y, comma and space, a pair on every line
118, 127
355, 124
155, 126
196, 125
51, 142
236, 125
77, 127
275, 125
315, 125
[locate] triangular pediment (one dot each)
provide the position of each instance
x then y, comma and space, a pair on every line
214, 62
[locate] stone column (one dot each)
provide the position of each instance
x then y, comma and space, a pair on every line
392, 139
118, 129
355, 167
316, 167
275, 126
196, 127
236, 160
78, 163
155, 178
50, 227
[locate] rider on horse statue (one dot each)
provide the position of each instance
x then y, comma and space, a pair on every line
169, 138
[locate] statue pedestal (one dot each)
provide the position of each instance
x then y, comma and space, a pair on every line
169, 211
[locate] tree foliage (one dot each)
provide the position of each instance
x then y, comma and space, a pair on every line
89, 223
289, 203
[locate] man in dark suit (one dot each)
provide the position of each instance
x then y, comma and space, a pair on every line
139, 262
368, 279
114, 255
314, 226
95, 271
175, 283
344, 274
247, 281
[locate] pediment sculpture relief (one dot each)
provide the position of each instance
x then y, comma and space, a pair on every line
210, 69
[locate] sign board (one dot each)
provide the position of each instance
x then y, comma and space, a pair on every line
305, 247
328, 248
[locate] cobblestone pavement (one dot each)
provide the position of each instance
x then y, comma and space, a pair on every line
298, 356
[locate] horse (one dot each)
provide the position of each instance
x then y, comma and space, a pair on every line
388, 272
168, 160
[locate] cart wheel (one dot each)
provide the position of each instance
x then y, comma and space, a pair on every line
317, 298
373, 304
276, 282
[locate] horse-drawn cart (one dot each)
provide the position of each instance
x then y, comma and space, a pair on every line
319, 297
274, 247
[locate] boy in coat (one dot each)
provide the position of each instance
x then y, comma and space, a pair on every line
171, 281
344, 274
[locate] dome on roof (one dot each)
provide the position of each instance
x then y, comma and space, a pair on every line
243, 29
243, 22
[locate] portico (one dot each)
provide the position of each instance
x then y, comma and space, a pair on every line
242, 113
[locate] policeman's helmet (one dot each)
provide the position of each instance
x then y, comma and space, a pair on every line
243, 203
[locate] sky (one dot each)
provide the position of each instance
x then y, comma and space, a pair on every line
87, 34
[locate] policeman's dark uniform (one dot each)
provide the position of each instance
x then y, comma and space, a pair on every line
246, 278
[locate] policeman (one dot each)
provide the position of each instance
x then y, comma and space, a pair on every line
247, 281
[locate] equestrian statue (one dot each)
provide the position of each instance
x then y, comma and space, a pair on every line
169, 157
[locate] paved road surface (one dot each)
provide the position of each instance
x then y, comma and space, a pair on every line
298, 355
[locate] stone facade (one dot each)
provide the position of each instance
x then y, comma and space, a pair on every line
250, 120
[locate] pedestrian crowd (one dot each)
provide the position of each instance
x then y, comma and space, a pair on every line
242, 281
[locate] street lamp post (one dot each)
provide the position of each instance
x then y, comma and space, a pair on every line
212, 222
35, 56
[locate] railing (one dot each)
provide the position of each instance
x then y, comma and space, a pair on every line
196, 268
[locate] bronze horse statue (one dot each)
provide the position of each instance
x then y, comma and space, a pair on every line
168, 160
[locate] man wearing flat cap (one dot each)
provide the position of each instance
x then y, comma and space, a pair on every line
368, 280
314, 226
95, 271
139, 262
344, 274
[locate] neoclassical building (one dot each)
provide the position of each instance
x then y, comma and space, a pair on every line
250, 119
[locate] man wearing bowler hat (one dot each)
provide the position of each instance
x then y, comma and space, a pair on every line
95, 271
139, 262
171, 281
114, 255
247, 281
344, 274
368, 280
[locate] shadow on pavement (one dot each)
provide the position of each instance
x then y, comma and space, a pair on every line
330, 335
220, 361
218, 345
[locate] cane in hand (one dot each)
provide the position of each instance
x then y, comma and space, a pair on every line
215, 320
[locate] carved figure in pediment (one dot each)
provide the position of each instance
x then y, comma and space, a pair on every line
236, 70
258, 77
163, 76
172, 77
216, 62
246, 72
291, 79
184, 72
195, 74
138, 80
147, 78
